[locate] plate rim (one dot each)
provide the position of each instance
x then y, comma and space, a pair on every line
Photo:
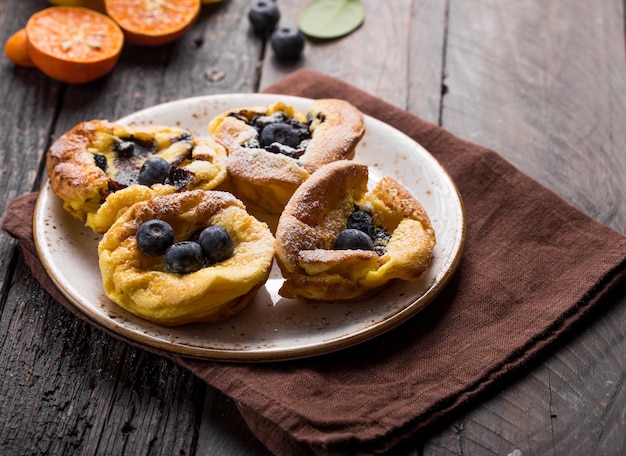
409, 310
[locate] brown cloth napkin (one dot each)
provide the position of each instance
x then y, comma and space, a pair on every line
533, 269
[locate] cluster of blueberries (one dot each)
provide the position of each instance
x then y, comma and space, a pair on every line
287, 42
361, 234
212, 245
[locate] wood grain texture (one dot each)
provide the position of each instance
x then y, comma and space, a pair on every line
495, 72
560, 120
571, 404
26, 118
372, 58
426, 55
69, 388
96, 395
547, 81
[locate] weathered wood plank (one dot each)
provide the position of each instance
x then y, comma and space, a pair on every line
379, 67
28, 108
223, 430
545, 89
510, 87
425, 56
571, 404
94, 394
69, 388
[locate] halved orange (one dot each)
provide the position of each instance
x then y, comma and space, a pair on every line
16, 49
153, 22
73, 44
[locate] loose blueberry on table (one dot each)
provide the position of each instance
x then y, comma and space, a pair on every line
287, 43
263, 16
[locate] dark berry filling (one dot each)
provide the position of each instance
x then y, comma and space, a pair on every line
129, 148
361, 220
125, 178
381, 238
135, 162
101, 162
179, 177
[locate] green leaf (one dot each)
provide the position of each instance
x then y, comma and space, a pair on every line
326, 19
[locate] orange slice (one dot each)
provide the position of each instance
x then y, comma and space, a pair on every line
16, 49
153, 22
72, 44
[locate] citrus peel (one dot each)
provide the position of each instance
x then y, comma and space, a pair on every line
73, 44
153, 22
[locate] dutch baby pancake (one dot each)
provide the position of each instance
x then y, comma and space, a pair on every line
338, 241
98, 159
273, 149
193, 256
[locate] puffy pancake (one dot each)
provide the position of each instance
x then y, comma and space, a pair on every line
142, 285
266, 175
320, 209
96, 159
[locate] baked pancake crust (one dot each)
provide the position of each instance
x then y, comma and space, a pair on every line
268, 176
141, 284
97, 158
320, 209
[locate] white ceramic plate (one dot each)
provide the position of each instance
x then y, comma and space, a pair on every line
271, 327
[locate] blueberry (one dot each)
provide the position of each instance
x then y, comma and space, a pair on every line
184, 257
279, 132
154, 237
287, 43
216, 244
263, 16
351, 239
361, 220
153, 171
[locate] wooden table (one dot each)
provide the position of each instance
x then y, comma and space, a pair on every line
542, 83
